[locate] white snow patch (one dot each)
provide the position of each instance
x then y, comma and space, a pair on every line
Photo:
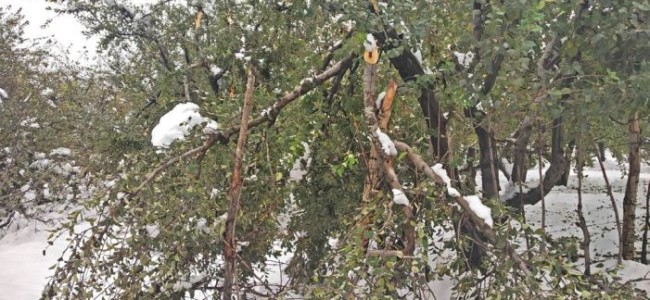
442, 173
152, 230
3, 95
215, 70
380, 99
177, 123
386, 143
40, 164
480, 209
370, 42
30, 195
61, 151
399, 198
464, 59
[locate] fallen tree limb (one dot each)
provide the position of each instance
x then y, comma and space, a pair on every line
481, 225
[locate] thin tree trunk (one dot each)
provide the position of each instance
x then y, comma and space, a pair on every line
616, 215
487, 151
646, 227
541, 177
581, 218
230, 246
629, 201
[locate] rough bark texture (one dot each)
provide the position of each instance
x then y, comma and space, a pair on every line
629, 201
230, 246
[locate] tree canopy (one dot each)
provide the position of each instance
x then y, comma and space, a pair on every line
359, 166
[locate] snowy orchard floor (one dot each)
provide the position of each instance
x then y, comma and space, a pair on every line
24, 268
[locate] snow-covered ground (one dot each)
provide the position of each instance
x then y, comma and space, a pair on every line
24, 268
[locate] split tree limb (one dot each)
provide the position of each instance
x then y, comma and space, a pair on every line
372, 123
230, 244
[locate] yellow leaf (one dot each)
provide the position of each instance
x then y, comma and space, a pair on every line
371, 57
197, 19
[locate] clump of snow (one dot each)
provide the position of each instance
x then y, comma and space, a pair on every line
215, 70
399, 198
3, 95
386, 143
61, 151
442, 173
464, 59
480, 209
30, 195
177, 123
30, 122
211, 127
380, 99
152, 230
202, 225
47, 92
370, 43
40, 164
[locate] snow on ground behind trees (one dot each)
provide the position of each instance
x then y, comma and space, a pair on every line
24, 268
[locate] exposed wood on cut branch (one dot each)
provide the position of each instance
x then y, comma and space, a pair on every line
387, 105
385, 166
230, 245
482, 226
409, 69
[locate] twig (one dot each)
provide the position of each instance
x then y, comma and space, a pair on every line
613, 201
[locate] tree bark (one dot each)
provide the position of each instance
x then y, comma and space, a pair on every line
230, 246
409, 69
646, 227
488, 161
629, 201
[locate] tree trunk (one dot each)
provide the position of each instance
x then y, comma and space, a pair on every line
629, 201
488, 151
646, 227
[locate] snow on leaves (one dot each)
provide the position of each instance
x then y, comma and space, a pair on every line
399, 198
177, 123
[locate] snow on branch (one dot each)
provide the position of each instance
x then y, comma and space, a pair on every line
442, 173
477, 211
177, 123
400, 198
386, 143
480, 209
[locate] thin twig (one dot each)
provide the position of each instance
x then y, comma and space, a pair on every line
613, 201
